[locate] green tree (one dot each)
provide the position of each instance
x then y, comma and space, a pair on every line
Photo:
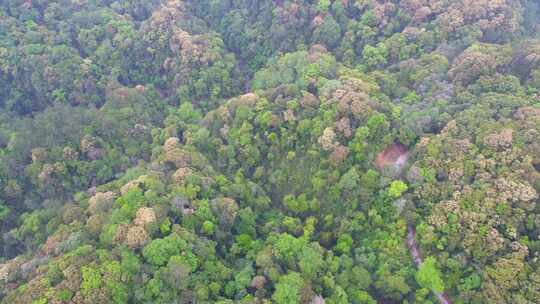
288, 289
159, 251
375, 56
397, 188
287, 248
298, 204
328, 33
311, 262
91, 280
323, 5
429, 276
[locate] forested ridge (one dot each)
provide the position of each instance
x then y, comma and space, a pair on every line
256, 151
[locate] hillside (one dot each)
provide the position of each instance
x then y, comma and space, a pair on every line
317, 151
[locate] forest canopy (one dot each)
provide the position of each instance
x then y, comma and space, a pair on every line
309, 152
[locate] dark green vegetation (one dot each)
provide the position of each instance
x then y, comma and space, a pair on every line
210, 151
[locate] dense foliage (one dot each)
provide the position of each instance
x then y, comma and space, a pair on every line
209, 151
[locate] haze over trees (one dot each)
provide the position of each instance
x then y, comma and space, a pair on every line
207, 151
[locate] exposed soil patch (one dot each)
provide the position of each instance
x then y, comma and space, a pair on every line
395, 155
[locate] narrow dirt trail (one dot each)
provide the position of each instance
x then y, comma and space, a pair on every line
416, 254
396, 156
